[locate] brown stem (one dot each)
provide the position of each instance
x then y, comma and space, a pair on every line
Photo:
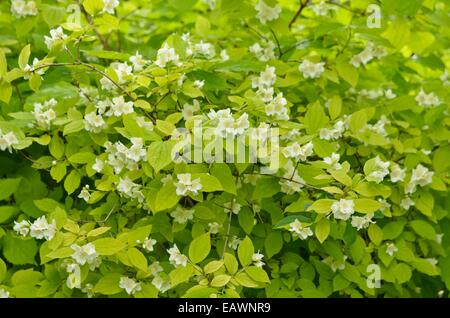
303, 5
91, 23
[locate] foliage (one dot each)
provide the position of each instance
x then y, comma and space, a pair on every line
92, 204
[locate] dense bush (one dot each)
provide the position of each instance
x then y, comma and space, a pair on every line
94, 203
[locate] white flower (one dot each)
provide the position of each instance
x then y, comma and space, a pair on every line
55, 35
120, 107
227, 125
94, 122
176, 258
397, 174
232, 206
143, 123
298, 230
130, 285
186, 185
4, 293
214, 227
21, 8
277, 107
85, 254
438, 238
7, 141
422, 176
343, 209
406, 203
155, 268
389, 94
129, 189
224, 55
199, 84
298, 152
444, 78
362, 222
189, 110
182, 215
257, 259
29, 70
391, 249
311, 70
381, 170
84, 193
137, 61
44, 113
266, 13
234, 242
384, 204
166, 55
292, 182
263, 53
333, 161
321, 8
109, 6
98, 165
425, 100
22, 227
161, 284
149, 244
369, 53
41, 229
205, 49
334, 133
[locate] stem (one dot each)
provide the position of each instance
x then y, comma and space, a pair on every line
18, 93
303, 5
280, 52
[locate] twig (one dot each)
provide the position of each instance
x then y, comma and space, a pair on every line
280, 52
303, 5
287, 179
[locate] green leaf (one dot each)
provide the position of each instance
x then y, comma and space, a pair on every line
109, 284
315, 118
166, 197
231, 263
347, 72
108, 246
24, 56
72, 181
93, 6
19, 251
322, 229
220, 280
137, 259
423, 228
246, 251
181, 274
5, 91
56, 147
223, 173
159, 155
258, 274
213, 266
265, 188
366, 205
273, 243
335, 107
3, 270
8, 187
246, 219
199, 248
321, 206
375, 234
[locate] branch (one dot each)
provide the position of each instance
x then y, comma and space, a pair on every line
303, 5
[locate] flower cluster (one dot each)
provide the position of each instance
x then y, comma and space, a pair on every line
22, 8
370, 52
120, 157
343, 209
39, 229
227, 125
7, 141
264, 52
186, 186
310, 69
267, 13
44, 113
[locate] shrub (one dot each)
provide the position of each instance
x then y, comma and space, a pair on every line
340, 108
